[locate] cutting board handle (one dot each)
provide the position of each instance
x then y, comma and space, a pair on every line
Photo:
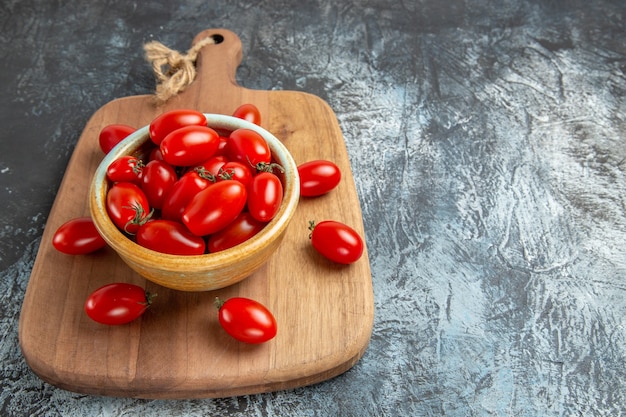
216, 64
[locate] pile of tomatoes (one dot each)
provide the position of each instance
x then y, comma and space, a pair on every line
200, 191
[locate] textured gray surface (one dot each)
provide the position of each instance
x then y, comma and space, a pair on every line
487, 141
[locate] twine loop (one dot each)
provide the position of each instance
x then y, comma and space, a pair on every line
173, 70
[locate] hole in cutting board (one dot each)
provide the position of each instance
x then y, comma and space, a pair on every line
217, 38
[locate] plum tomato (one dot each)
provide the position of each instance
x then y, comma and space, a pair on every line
155, 154
187, 186
336, 241
248, 147
235, 171
214, 207
246, 320
238, 231
265, 194
126, 168
318, 177
167, 236
113, 134
78, 236
189, 145
157, 180
213, 164
117, 303
248, 112
167, 122
221, 149
127, 206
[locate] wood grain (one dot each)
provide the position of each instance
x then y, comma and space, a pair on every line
177, 349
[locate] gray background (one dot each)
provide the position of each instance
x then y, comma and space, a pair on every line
487, 144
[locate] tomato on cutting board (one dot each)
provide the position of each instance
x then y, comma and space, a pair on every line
246, 320
117, 303
248, 112
112, 134
78, 236
318, 177
336, 241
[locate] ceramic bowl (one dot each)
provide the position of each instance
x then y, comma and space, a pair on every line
202, 272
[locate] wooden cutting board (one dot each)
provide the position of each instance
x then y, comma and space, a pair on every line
177, 349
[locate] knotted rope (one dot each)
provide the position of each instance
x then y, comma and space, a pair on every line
173, 71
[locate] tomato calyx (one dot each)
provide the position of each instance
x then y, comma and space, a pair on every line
265, 167
218, 303
149, 298
311, 227
205, 174
227, 174
138, 166
141, 217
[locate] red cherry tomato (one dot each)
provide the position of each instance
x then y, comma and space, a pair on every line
248, 112
318, 177
213, 164
238, 231
247, 320
248, 147
235, 171
113, 134
127, 206
265, 193
78, 236
189, 145
126, 168
167, 236
155, 154
157, 179
182, 192
168, 122
215, 207
221, 149
336, 241
117, 303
